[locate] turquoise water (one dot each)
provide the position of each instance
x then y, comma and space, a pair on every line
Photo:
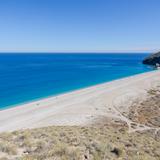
26, 77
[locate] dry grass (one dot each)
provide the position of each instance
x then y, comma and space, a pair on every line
105, 140
79, 143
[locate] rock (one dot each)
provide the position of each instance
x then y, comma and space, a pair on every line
116, 151
152, 59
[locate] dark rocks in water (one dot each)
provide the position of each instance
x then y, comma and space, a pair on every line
153, 59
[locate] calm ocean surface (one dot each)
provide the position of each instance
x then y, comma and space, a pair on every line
26, 77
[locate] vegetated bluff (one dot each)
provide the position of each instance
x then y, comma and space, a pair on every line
152, 59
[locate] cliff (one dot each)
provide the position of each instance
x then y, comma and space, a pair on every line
152, 59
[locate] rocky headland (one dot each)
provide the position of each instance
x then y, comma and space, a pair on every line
153, 59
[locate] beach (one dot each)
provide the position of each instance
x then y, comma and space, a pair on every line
115, 120
79, 80
82, 107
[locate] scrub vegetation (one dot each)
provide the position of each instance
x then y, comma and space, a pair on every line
106, 139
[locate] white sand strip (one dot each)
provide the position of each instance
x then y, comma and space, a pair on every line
79, 107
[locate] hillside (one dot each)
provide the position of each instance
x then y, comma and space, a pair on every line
105, 139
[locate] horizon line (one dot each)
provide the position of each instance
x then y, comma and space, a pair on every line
83, 52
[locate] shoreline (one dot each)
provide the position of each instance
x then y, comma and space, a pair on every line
79, 107
66, 92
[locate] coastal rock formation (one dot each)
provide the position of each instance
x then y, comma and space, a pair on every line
152, 59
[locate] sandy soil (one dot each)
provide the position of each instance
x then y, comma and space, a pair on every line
83, 106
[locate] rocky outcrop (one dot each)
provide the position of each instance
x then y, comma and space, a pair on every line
152, 59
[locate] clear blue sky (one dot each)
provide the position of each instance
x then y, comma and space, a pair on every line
79, 25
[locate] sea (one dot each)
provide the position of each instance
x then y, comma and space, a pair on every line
25, 77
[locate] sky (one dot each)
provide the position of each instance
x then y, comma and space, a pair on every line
79, 25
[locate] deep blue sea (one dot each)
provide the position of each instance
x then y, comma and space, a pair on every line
27, 77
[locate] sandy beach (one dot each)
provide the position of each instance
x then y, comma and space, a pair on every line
81, 107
